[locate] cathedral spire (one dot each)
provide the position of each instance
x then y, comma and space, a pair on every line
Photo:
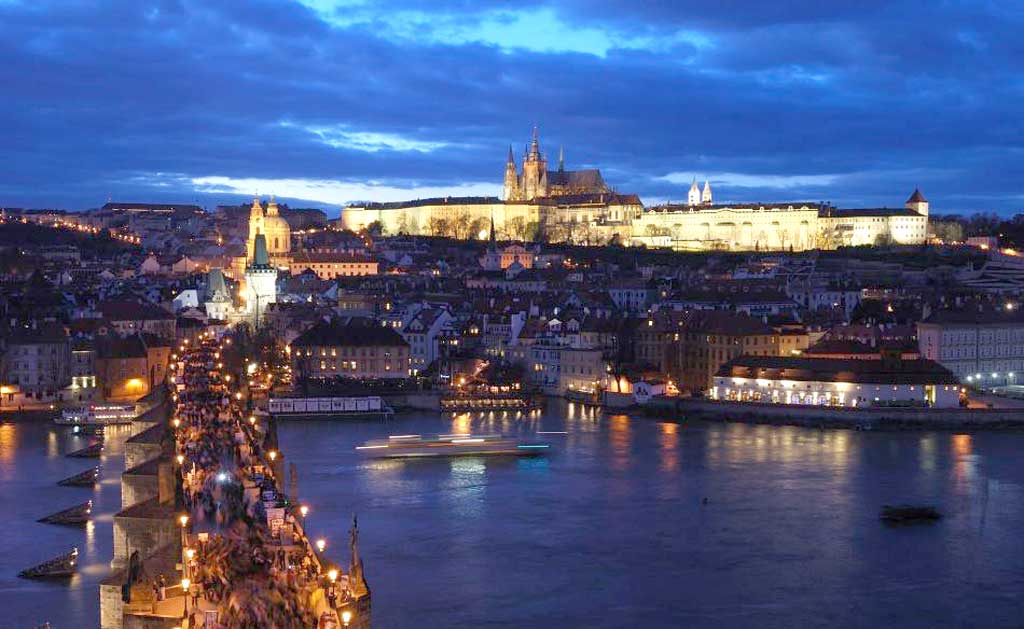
511, 157
693, 198
535, 144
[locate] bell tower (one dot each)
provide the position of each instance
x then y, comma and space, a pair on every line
918, 203
535, 171
511, 189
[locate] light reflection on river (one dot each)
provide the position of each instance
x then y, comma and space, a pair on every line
610, 529
31, 462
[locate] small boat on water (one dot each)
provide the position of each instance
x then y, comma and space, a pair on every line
411, 446
909, 514
60, 567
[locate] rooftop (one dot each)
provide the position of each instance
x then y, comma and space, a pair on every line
328, 334
889, 372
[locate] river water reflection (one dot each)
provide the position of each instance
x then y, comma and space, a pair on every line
611, 529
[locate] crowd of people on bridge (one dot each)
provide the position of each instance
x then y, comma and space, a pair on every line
252, 575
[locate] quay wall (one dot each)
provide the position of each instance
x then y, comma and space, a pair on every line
876, 417
419, 401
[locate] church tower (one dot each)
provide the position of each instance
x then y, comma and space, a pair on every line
535, 171
255, 227
511, 189
260, 282
918, 203
693, 198
705, 195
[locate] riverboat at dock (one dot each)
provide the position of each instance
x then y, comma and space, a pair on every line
459, 403
97, 415
347, 407
416, 446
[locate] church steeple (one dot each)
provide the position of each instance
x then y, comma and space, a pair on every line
705, 195
693, 198
257, 209
272, 207
511, 187
260, 258
535, 145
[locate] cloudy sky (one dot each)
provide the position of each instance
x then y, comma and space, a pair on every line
331, 101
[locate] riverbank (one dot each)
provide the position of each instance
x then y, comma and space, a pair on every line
875, 418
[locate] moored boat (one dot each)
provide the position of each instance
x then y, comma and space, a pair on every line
909, 514
97, 414
413, 446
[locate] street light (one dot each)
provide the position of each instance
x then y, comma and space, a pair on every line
185, 583
346, 617
181, 459
273, 455
332, 574
321, 544
304, 510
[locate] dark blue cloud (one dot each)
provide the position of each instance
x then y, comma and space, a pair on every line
856, 103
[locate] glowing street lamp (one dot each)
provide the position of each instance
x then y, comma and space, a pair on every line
332, 574
183, 519
346, 617
181, 459
185, 583
321, 544
273, 455
304, 510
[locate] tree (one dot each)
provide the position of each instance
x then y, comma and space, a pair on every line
477, 227
460, 226
375, 229
438, 226
515, 228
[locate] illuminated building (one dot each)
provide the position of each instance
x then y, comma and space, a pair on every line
835, 382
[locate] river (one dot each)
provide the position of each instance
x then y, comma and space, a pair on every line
628, 522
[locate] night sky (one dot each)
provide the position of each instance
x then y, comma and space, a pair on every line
328, 101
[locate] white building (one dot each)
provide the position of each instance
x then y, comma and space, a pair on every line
422, 333
836, 382
983, 346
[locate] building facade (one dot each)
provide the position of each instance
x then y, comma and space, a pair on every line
330, 265
834, 382
363, 350
578, 207
982, 346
